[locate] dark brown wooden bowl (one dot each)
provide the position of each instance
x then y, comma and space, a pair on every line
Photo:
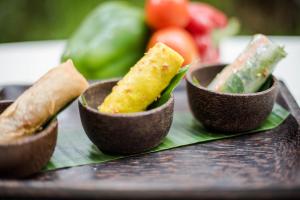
223, 111
123, 133
28, 155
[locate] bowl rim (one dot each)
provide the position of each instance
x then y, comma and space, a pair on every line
127, 115
189, 81
52, 124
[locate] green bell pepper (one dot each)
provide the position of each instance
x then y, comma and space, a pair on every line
109, 41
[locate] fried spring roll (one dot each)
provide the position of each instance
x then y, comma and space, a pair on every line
144, 82
40, 102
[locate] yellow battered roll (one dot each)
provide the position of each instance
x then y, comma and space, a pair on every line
41, 101
144, 82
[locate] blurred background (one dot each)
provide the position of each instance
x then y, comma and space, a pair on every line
26, 20
52, 22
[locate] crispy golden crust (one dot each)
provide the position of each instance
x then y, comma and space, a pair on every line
144, 82
41, 101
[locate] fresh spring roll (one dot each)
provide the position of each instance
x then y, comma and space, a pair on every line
144, 82
40, 102
251, 69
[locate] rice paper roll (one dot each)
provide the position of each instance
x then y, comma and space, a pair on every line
251, 69
144, 82
40, 102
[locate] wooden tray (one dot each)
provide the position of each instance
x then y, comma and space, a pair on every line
260, 165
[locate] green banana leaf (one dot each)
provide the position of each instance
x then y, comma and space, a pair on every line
74, 148
166, 93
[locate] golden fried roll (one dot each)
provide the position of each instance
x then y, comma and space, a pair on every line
40, 102
144, 82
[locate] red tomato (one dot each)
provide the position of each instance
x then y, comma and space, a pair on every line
178, 39
204, 18
166, 13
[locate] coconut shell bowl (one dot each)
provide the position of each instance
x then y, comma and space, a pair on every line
123, 134
30, 154
226, 112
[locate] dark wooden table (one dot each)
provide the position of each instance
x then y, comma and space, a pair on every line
261, 165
